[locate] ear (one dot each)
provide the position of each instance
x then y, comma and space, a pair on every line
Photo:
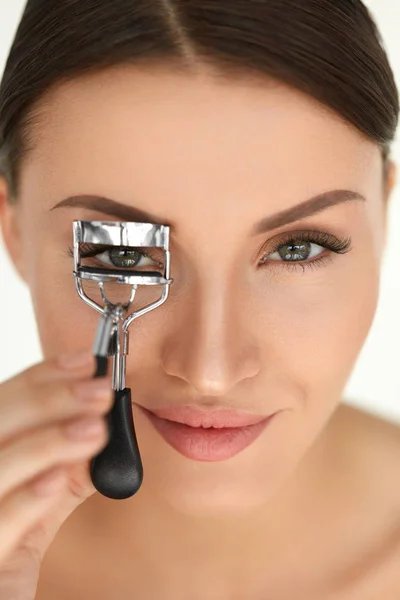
390, 182
391, 178
9, 224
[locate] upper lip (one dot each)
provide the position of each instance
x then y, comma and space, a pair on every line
196, 416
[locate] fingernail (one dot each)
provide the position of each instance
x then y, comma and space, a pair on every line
76, 360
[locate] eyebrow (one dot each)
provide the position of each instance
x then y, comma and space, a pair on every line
124, 212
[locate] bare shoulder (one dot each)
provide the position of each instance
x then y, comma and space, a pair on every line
368, 421
376, 436
372, 445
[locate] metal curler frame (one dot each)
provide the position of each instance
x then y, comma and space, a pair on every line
117, 471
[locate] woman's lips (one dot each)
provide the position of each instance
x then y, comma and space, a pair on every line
197, 416
206, 444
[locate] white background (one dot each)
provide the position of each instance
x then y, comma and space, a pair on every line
375, 381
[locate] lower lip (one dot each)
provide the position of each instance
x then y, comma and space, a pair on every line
208, 445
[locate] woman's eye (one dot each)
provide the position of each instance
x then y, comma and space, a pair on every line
119, 257
125, 258
305, 250
296, 251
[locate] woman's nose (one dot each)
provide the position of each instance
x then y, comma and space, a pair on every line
209, 346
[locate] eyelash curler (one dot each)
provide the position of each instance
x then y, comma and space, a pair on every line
117, 471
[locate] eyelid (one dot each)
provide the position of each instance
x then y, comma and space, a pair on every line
318, 236
91, 250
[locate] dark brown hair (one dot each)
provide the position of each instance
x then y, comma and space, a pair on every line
329, 49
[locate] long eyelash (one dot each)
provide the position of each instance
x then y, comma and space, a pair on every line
89, 250
326, 240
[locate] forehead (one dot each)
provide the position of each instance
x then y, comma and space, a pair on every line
167, 136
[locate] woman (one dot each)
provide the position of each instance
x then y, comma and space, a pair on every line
261, 131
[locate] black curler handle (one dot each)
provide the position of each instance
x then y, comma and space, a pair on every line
117, 471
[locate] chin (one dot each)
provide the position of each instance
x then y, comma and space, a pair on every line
243, 483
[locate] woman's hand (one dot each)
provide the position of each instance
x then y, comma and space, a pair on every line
44, 462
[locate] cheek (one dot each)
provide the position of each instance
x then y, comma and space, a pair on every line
318, 325
65, 323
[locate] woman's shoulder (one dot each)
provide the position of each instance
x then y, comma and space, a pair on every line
368, 422
371, 444
371, 449
377, 436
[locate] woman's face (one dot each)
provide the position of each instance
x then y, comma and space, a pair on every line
243, 327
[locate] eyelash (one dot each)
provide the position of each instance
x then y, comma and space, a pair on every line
326, 240
92, 250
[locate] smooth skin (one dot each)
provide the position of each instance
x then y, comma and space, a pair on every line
310, 510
